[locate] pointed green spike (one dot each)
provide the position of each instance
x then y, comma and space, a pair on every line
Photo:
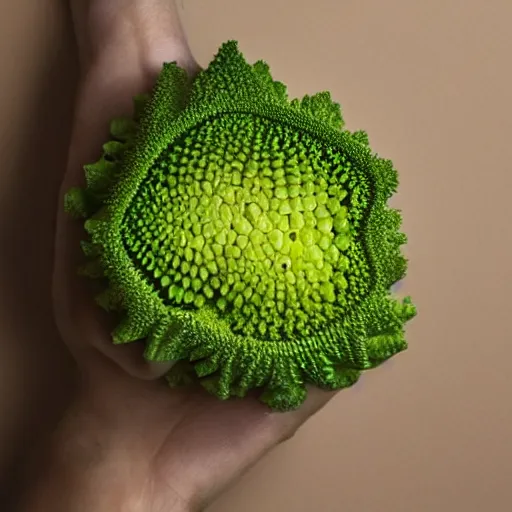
361, 137
286, 375
200, 353
263, 372
263, 70
128, 330
399, 239
387, 175
383, 346
94, 227
123, 128
246, 368
168, 99
109, 300
284, 398
181, 374
114, 148
76, 203
139, 104
345, 377
157, 338
393, 219
89, 249
207, 366
320, 106
229, 75
226, 379
326, 367
408, 309
314, 369
211, 384
281, 90
277, 88
92, 269
166, 344
99, 174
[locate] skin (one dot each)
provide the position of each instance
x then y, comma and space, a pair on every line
128, 442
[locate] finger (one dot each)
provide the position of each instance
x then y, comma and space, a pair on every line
106, 92
80, 320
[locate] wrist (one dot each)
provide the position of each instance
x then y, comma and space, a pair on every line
88, 466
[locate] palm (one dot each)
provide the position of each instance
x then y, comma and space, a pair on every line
200, 444
191, 442
181, 439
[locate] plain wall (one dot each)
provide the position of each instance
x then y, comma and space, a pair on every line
431, 82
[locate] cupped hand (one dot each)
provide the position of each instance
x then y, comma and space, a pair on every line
149, 447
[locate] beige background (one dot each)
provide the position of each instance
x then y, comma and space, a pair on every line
431, 82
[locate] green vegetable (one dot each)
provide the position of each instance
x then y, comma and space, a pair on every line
246, 235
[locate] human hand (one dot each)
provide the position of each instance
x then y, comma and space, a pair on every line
129, 442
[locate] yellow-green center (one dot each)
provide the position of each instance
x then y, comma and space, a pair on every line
252, 218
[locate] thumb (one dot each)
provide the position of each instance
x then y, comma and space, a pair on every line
109, 82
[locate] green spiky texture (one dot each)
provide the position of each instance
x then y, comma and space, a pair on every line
246, 235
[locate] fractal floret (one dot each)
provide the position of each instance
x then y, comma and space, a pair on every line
245, 235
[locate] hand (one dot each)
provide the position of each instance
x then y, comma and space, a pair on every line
129, 442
